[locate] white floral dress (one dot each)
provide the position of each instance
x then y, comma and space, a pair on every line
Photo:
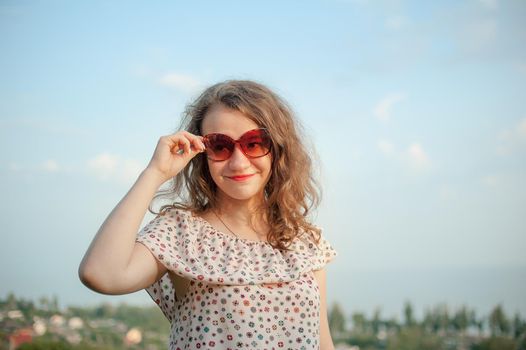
243, 294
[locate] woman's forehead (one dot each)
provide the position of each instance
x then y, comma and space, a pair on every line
224, 120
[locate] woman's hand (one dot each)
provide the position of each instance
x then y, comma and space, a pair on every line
173, 152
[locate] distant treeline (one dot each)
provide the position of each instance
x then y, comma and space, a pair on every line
440, 328
103, 326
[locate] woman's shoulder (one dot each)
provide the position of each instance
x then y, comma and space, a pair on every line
177, 214
172, 220
315, 243
172, 209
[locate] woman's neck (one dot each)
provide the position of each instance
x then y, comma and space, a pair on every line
242, 213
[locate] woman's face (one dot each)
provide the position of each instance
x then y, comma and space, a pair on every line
238, 178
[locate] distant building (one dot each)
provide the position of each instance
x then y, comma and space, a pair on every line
39, 326
75, 323
19, 337
134, 336
57, 320
14, 314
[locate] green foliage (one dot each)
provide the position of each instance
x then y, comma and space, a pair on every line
147, 318
364, 341
336, 321
59, 345
519, 327
460, 320
437, 319
408, 313
521, 342
414, 338
46, 345
498, 322
359, 321
495, 343
376, 322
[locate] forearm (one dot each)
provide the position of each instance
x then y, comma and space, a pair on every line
111, 249
326, 339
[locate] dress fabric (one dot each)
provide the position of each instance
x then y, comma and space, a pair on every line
243, 294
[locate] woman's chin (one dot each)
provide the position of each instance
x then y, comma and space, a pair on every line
241, 196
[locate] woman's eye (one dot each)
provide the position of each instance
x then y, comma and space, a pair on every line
253, 142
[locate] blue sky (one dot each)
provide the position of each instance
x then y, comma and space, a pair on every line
416, 110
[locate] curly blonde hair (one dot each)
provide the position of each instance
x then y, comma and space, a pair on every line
292, 190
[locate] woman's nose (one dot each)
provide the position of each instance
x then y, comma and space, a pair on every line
238, 160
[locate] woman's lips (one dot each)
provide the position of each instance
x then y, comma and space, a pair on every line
240, 177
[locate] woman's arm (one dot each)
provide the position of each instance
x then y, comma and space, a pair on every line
325, 334
114, 262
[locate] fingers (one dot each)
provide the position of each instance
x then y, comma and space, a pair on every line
184, 142
173, 152
195, 142
198, 143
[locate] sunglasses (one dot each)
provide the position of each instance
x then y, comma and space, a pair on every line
254, 144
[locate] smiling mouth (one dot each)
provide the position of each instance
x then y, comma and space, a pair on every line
240, 177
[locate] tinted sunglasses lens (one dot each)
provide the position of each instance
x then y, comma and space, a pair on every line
255, 143
219, 147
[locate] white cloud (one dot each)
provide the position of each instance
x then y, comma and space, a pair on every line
104, 165
181, 82
521, 67
414, 158
395, 22
512, 139
14, 167
47, 125
50, 166
521, 129
490, 180
383, 108
354, 2
479, 34
447, 192
385, 147
490, 4
417, 157
356, 154
503, 150
141, 71
505, 135
111, 167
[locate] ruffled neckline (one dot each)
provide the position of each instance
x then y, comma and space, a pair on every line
189, 246
211, 228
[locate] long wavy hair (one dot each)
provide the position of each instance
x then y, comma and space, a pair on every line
292, 191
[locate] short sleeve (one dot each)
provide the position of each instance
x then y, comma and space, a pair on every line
168, 238
325, 253
166, 232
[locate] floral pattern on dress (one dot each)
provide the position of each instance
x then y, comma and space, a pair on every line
242, 293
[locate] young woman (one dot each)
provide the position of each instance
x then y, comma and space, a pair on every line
233, 262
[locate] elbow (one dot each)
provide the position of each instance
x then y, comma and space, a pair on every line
83, 273
93, 280
104, 281
87, 277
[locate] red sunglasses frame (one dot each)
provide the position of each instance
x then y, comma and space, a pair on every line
264, 134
